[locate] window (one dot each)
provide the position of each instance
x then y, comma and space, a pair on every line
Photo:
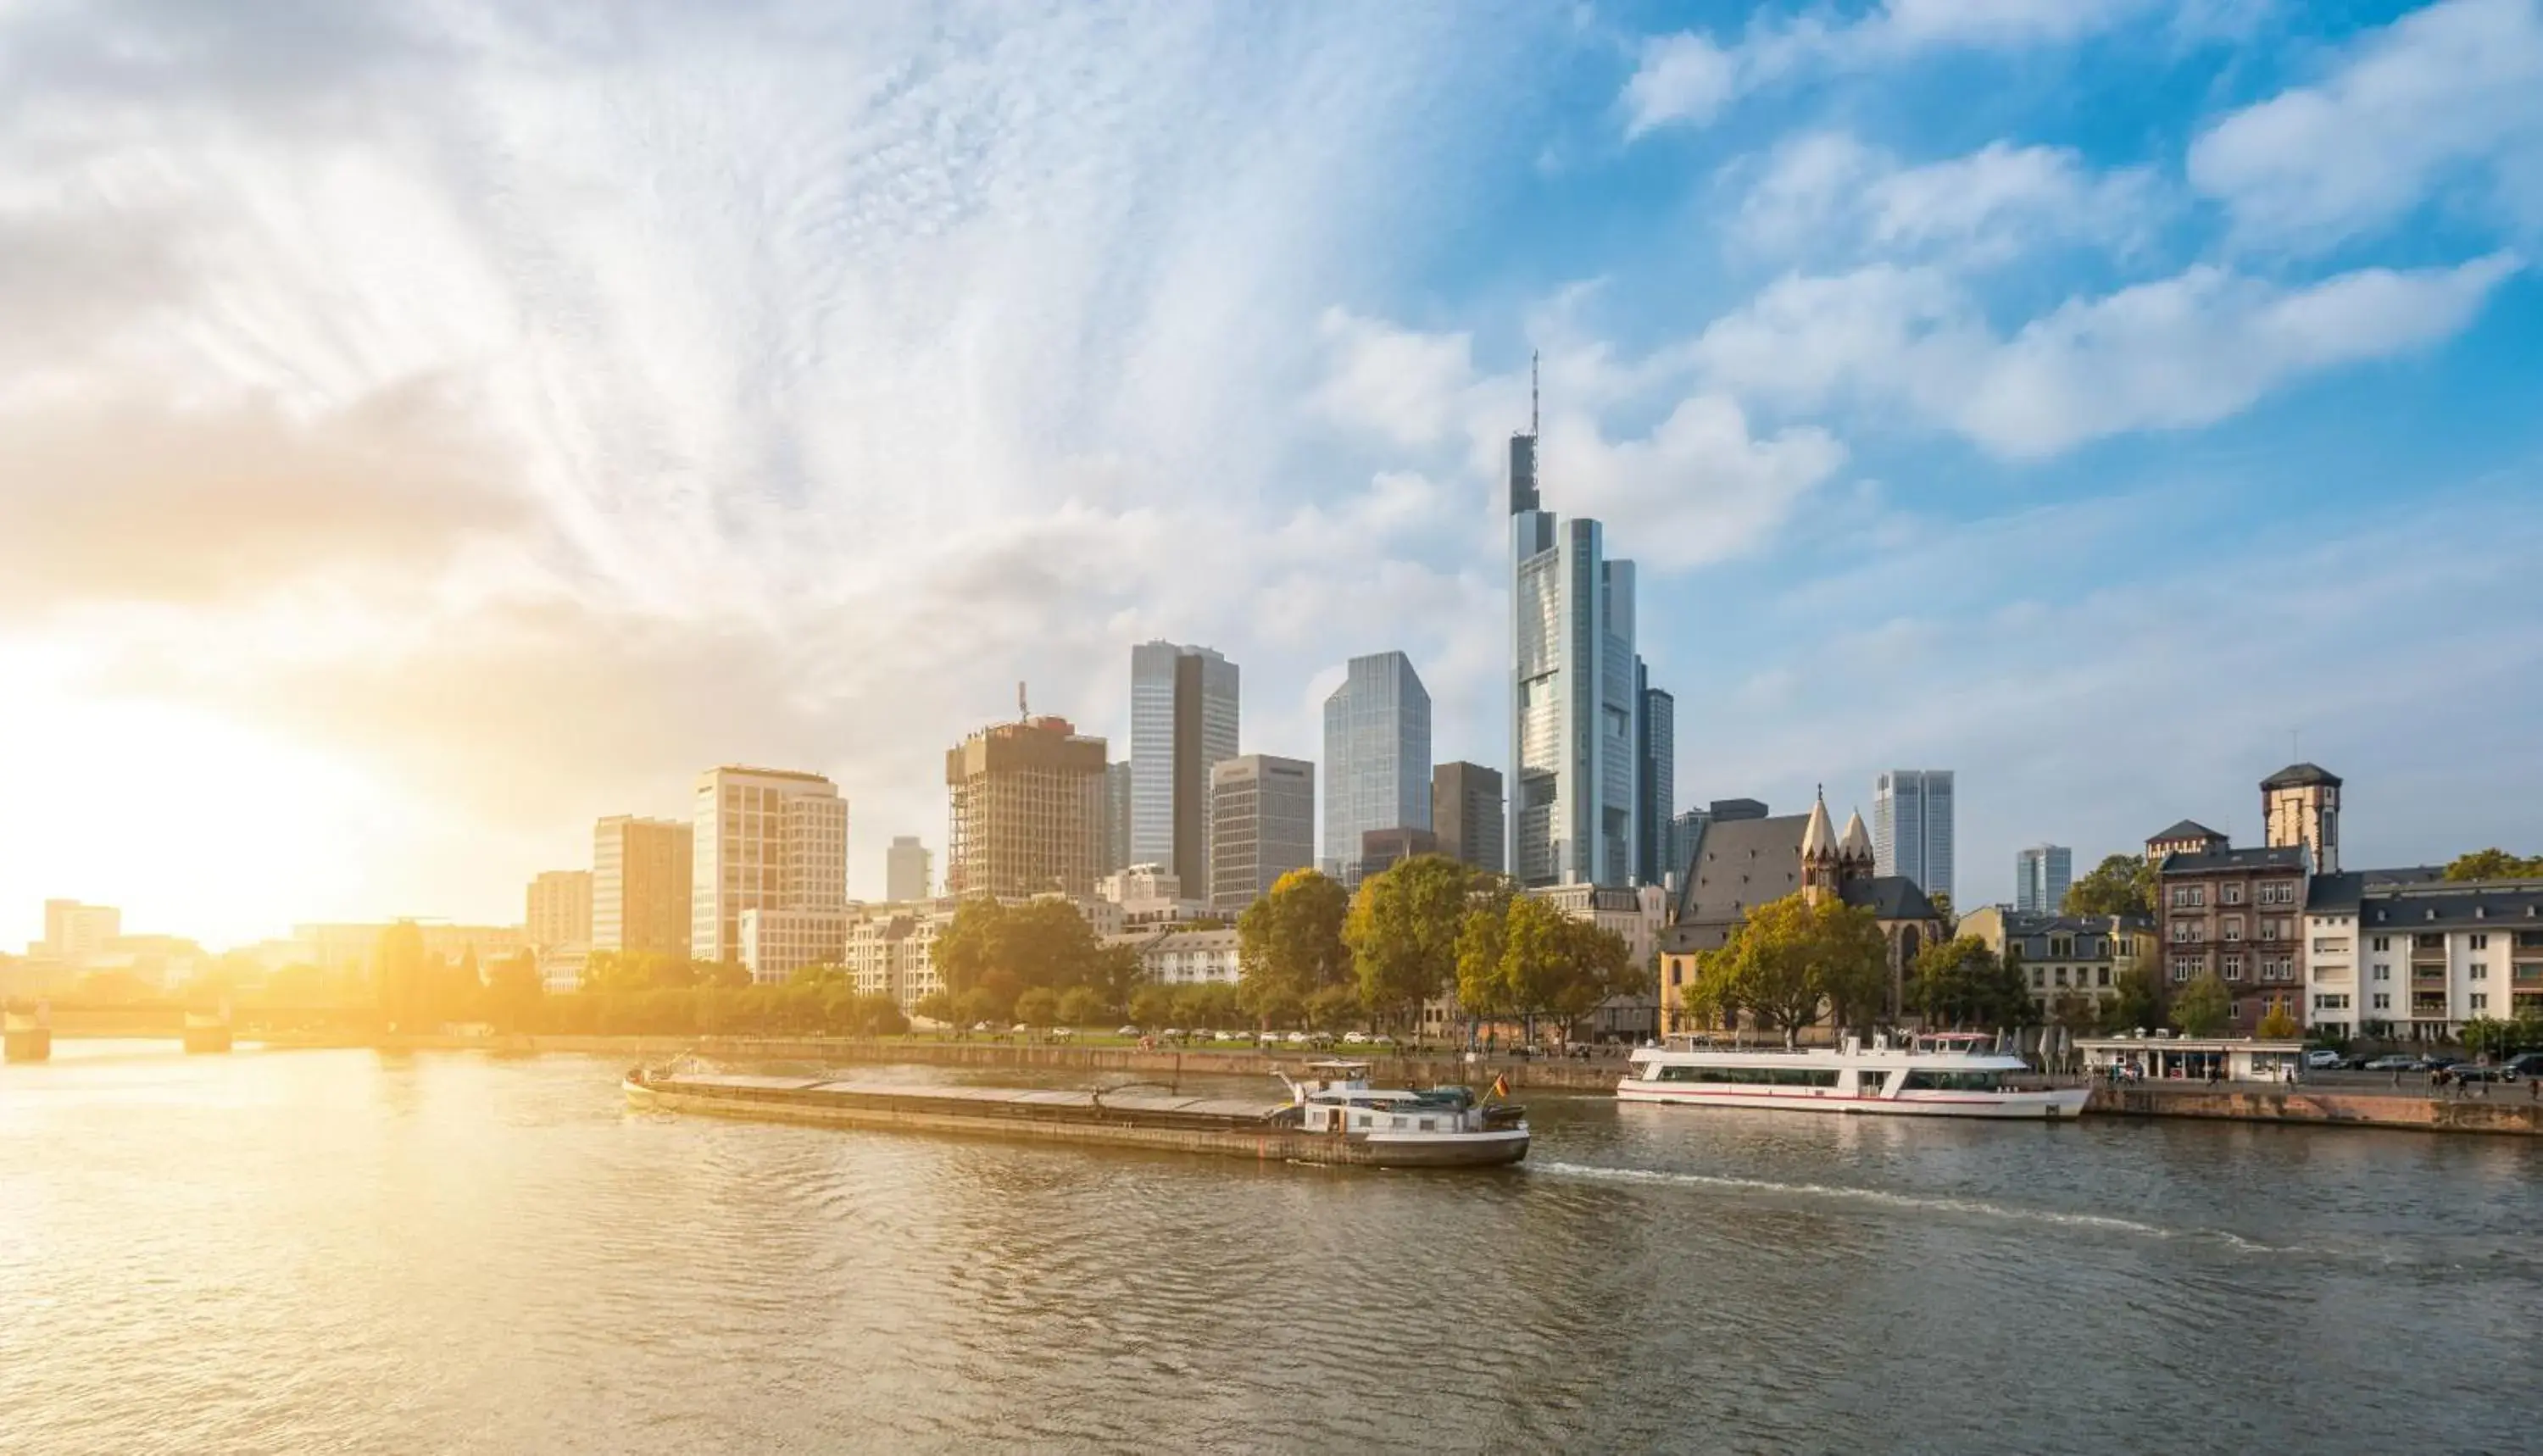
2270, 929
2039, 978
2479, 970
2184, 967
2381, 972
2100, 976
2061, 975
2229, 895
2480, 941
2330, 944
1952, 1082
2189, 897
2186, 932
2233, 967
2233, 927
2383, 943
2428, 941
2479, 1001
2279, 893
2331, 1001
2383, 1001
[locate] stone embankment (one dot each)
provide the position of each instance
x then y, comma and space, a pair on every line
2507, 1110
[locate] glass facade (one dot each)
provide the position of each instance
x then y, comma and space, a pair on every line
1378, 757
1184, 722
1911, 827
1576, 782
2040, 876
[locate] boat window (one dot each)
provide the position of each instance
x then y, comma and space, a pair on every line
1753, 1076
1954, 1081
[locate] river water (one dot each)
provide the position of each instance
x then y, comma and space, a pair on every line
354, 1252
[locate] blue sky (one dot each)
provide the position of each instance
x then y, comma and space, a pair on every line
423, 429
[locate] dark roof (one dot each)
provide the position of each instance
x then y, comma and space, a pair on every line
2298, 775
1738, 863
2332, 894
2455, 903
2210, 860
1890, 897
2186, 829
1738, 808
2020, 924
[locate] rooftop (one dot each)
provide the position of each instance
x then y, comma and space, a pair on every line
2299, 776
2186, 829
2216, 860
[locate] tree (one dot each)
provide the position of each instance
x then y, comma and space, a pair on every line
1403, 933
1152, 1006
1792, 962
515, 992
1081, 1006
1941, 900
1961, 983
975, 1005
2494, 864
2122, 884
2079, 1012
1334, 1007
1039, 1007
2203, 1007
2484, 1035
398, 970
936, 1006
1483, 941
2143, 999
2279, 1026
1209, 1004
962, 951
1290, 942
1553, 965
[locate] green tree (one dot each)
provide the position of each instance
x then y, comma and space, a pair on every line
1792, 962
1290, 942
2484, 1035
1082, 1006
2079, 1012
1335, 1007
1403, 933
2279, 1026
1961, 983
936, 1006
2203, 1007
1483, 944
1039, 1007
975, 1005
2494, 864
2122, 884
1152, 1007
2143, 999
962, 951
515, 992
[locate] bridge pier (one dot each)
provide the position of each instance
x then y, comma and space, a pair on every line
207, 1034
25, 1036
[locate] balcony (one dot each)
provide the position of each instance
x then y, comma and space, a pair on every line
2421, 977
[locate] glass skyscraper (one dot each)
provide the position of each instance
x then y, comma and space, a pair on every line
1378, 757
1656, 788
2042, 874
1911, 827
1183, 725
1576, 755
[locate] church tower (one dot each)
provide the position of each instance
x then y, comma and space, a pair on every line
1853, 855
1822, 864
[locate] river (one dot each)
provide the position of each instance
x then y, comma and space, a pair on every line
356, 1252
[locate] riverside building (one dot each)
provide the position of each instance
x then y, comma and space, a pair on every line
773, 840
1378, 757
1027, 811
1466, 815
1184, 720
641, 877
1263, 825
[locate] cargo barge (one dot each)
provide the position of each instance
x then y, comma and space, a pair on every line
1333, 1116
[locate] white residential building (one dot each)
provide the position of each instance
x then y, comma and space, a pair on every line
766, 839
2408, 954
776, 943
1185, 958
890, 950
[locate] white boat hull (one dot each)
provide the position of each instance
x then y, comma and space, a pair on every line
2058, 1105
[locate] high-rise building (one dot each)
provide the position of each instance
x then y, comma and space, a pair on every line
560, 908
2041, 876
765, 839
1263, 825
1378, 757
1686, 832
1656, 775
642, 871
1911, 827
1026, 810
1573, 701
75, 933
909, 870
1117, 817
1466, 815
1381, 850
1183, 723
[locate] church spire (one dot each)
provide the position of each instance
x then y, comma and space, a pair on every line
1856, 844
1818, 837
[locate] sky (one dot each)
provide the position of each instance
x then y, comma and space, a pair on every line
426, 429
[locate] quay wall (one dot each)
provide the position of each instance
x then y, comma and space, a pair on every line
2509, 1109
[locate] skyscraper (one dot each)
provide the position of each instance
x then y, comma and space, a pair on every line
1117, 817
1466, 815
1027, 809
1183, 723
1378, 757
2041, 876
641, 875
560, 908
1573, 704
909, 871
1655, 787
1263, 825
1911, 827
771, 840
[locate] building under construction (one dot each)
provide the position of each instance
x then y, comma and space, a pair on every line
1028, 812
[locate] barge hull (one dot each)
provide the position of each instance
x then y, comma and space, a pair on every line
1261, 1144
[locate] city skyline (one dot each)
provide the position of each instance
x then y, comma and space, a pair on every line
523, 471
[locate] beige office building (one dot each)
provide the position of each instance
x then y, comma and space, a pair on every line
560, 908
765, 839
1028, 812
640, 885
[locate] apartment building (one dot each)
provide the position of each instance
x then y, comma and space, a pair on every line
2237, 914
772, 840
2411, 955
2064, 956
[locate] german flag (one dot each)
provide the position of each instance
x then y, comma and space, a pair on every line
1501, 1086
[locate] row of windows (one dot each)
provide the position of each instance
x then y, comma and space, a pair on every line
2101, 976
1751, 1076
2194, 897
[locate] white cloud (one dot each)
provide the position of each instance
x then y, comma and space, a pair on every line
1688, 78
2445, 98
1398, 382
1827, 190
1700, 487
2179, 352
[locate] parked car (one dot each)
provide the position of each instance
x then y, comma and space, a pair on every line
1126, 1031
2393, 1063
2322, 1059
1298, 1038
1356, 1039
2526, 1064
2469, 1072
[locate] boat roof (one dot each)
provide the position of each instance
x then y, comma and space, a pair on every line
1019, 1096
1337, 1066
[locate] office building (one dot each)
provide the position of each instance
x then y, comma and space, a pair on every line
1466, 815
1263, 825
765, 839
909, 870
1381, 850
1026, 810
1686, 832
1117, 817
1656, 747
1574, 770
642, 870
2041, 876
1911, 827
1378, 757
74, 933
1183, 723
560, 908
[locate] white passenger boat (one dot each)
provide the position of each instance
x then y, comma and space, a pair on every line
1942, 1074
1443, 1126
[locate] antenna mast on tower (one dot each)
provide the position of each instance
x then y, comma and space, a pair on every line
1531, 394
1023, 713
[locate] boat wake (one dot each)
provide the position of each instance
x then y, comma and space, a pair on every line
1966, 1207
